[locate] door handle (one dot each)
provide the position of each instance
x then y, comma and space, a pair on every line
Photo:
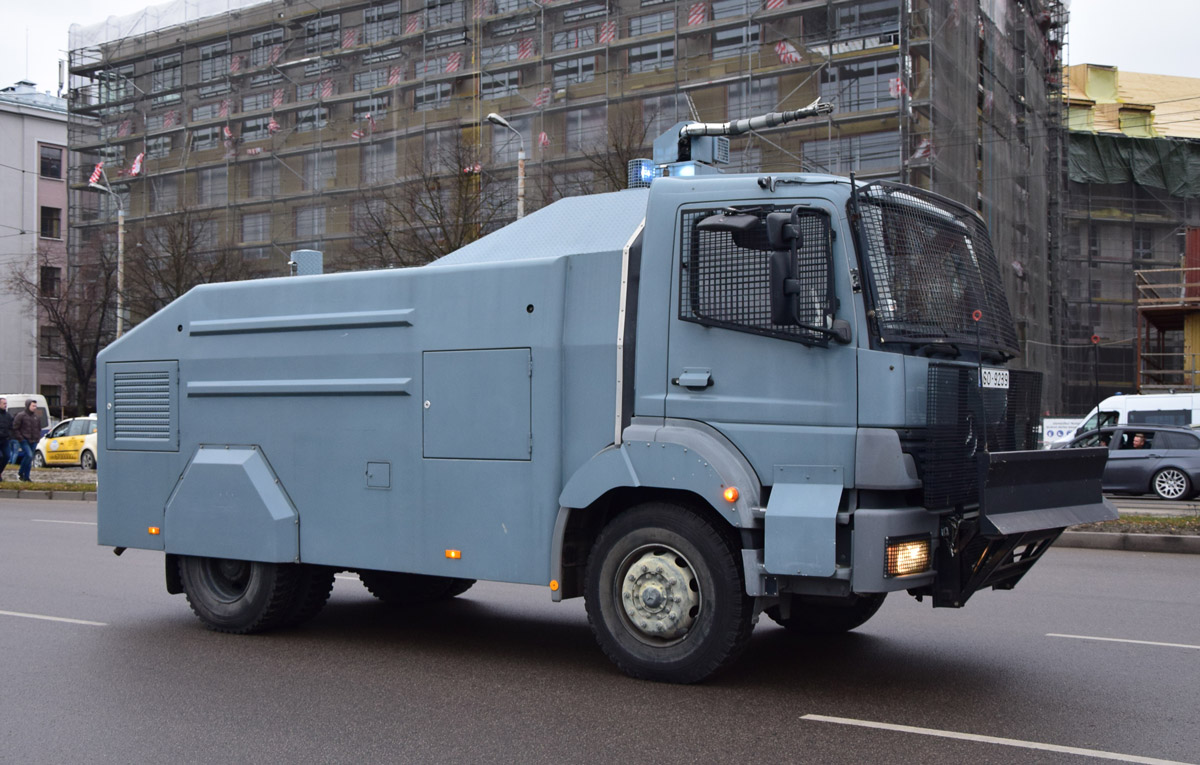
695, 379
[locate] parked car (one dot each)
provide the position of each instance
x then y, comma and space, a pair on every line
1165, 460
70, 442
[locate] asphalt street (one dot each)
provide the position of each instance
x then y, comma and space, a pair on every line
1095, 656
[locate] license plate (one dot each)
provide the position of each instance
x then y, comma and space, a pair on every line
993, 378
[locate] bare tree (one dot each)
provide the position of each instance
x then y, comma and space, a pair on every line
165, 257
625, 139
446, 202
80, 308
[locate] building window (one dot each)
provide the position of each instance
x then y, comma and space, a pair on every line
310, 222
432, 96
115, 84
505, 145
206, 138
167, 75
441, 12
157, 148
256, 101
651, 23
208, 112
739, 41
256, 227
498, 54
499, 84
212, 186
256, 253
51, 166
53, 396
381, 23
1143, 243
369, 80
49, 344
256, 128
214, 60
164, 194
445, 40
863, 19
862, 85
379, 162
320, 170
661, 112
755, 97
573, 38
585, 128
868, 152
322, 34
374, 107
311, 119
264, 178
266, 47
573, 71
51, 223
648, 58
49, 281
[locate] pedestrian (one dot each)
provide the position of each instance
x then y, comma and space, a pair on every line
26, 430
6, 423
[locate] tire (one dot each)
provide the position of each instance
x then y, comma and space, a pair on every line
1171, 483
87, 460
242, 597
38, 460
665, 595
412, 589
810, 615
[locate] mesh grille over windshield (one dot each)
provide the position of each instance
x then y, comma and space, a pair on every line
931, 266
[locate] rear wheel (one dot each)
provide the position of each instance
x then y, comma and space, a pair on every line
412, 589
38, 460
664, 595
810, 615
87, 460
1171, 483
241, 597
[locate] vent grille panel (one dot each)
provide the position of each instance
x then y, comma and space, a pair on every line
143, 414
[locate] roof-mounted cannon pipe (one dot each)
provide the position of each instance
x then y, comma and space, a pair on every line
817, 108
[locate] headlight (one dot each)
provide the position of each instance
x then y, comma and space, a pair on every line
907, 556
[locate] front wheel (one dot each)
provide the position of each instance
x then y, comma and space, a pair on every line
811, 615
664, 595
1171, 483
242, 597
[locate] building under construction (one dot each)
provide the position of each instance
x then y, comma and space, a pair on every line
1133, 193
272, 126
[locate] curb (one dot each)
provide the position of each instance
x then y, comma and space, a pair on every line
1103, 540
85, 496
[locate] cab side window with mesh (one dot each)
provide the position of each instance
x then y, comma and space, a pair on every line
725, 280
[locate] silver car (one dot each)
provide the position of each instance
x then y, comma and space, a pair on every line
1144, 459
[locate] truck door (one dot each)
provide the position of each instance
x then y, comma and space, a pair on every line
782, 394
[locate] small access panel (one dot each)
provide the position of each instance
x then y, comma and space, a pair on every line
477, 404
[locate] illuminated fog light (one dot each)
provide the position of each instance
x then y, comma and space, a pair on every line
907, 556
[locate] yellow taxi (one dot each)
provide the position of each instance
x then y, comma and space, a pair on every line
70, 442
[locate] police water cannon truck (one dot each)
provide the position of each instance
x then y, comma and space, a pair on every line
690, 403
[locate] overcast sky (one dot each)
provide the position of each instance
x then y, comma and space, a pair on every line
1153, 36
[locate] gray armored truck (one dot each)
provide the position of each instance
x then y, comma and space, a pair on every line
690, 403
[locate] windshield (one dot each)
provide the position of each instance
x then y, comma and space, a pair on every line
930, 266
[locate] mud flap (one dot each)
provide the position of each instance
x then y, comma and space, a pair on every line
1027, 499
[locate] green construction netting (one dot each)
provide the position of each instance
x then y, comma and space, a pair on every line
1161, 163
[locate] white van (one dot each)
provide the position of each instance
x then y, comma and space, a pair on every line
16, 402
1148, 408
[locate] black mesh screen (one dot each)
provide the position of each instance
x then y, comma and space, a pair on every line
963, 420
931, 266
726, 283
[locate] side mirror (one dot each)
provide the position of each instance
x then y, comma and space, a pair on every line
801, 273
783, 232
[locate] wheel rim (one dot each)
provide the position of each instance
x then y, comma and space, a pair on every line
659, 594
89, 462
1170, 484
226, 580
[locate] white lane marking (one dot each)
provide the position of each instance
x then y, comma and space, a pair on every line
993, 740
76, 523
53, 618
1123, 640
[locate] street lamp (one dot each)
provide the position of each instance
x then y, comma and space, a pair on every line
120, 251
496, 119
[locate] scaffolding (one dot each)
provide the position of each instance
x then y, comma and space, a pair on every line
278, 121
